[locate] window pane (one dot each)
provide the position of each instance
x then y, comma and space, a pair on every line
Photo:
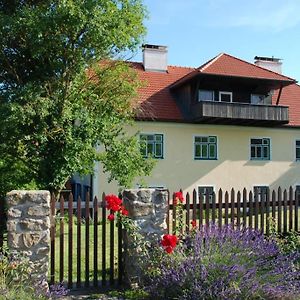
297, 143
256, 141
212, 151
150, 137
158, 137
258, 152
158, 150
266, 141
205, 95
197, 139
297, 153
252, 152
197, 151
204, 151
150, 149
225, 97
266, 152
144, 149
212, 139
204, 139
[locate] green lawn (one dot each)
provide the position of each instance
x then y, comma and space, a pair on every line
65, 254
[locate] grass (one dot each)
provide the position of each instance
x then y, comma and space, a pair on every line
83, 256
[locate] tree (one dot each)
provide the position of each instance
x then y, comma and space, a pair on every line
61, 94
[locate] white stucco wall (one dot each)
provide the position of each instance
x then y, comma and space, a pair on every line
233, 168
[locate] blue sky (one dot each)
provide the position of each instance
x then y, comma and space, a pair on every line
197, 30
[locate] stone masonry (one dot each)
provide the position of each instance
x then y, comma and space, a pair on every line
148, 209
28, 226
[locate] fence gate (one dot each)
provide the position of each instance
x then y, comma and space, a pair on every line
86, 250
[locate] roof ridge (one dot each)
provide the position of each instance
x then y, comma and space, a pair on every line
252, 64
210, 62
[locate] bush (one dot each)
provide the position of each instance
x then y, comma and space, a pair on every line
16, 282
224, 263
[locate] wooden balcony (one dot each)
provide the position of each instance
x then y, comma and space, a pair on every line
239, 113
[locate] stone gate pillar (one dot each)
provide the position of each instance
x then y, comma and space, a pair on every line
28, 226
148, 209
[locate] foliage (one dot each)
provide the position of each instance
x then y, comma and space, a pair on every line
288, 242
129, 294
224, 263
16, 282
53, 111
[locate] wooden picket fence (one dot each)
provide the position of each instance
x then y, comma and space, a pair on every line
279, 209
86, 251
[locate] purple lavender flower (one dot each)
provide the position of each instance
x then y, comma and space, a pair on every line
226, 263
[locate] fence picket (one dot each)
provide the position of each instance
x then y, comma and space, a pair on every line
201, 199
297, 194
61, 240
250, 209
70, 249
174, 215
213, 211
285, 211
52, 239
232, 200
262, 212
256, 209
226, 207
207, 209
279, 215
268, 212
87, 240
103, 240
187, 212
95, 241
291, 200
78, 283
220, 210
244, 207
238, 212
194, 205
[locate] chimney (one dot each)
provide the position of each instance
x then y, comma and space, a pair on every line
270, 63
155, 58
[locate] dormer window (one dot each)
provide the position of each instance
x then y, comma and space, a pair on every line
225, 96
206, 95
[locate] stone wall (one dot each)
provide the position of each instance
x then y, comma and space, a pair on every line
28, 226
148, 209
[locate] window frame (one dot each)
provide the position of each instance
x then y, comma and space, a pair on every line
225, 93
208, 143
297, 159
154, 143
213, 95
259, 186
206, 187
269, 145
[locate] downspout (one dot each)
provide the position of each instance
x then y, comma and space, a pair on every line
279, 94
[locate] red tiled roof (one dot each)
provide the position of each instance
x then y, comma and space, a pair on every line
157, 102
155, 98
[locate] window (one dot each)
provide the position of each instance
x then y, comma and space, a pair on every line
298, 150
261, 192
206, 190
152, 145
225, 96
206, 95
205, 147
257, 99
260, 149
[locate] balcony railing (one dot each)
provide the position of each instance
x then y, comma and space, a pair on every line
240, 113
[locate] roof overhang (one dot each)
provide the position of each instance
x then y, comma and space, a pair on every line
271, 83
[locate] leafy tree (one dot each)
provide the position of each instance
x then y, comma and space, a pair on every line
61, 94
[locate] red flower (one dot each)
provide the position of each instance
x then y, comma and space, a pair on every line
169, 242
193, 223
123, 211
111, 217
113, 202
178, 196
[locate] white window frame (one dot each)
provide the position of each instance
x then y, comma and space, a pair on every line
163, 142
225, 93
213, 95
270, 152
194, 148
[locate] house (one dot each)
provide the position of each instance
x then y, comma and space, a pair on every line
228, 123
